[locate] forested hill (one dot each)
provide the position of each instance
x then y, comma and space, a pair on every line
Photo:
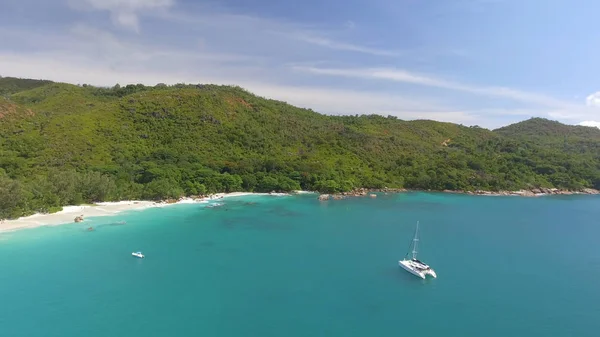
540, 127
65, 144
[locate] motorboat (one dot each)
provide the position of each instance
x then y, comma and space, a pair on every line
138, 254
413, 265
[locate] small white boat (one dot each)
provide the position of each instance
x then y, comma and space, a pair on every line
415, 266
138, 254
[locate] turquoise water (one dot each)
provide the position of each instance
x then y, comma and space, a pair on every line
294, 266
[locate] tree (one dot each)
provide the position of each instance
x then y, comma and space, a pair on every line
62, 144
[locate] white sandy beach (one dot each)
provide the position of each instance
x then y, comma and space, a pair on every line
68, 214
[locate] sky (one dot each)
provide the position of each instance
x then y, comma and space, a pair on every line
474, 62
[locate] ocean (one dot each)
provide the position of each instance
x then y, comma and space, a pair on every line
294, 266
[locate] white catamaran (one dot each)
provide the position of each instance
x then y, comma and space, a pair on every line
413, 265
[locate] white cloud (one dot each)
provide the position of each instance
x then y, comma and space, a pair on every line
268, 31
543, 105
324, 42
590, 123
95, 43
97, 57
399, 75
345, 101
124, 12
132, 5
93, 56
79, 70
205, 45
593, 99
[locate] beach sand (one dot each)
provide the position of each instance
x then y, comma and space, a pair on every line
68, 214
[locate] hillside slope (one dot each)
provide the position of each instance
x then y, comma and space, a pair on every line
569, 139
64, 144
542, 128
11, 85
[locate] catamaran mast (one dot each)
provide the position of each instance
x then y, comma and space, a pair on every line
415, 240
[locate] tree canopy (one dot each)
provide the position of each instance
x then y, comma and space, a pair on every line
65, 144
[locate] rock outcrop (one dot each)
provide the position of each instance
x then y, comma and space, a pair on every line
534, 192
323, 197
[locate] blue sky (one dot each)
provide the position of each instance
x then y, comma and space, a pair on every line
475, 62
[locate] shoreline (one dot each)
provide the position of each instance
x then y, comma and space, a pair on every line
535, 192
69, 214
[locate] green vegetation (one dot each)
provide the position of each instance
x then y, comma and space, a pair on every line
64, 144
11, 85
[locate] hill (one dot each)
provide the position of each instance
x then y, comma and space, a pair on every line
64, 144
542, 127
548, 133
11, 85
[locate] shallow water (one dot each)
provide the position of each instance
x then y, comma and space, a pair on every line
294, 266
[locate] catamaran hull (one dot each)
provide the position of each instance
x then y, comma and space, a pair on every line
421, 274
410, 270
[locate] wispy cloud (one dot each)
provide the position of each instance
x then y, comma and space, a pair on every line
538, 105
328, 43
288, 33
89, 55
75, 69
93, 56
346, 101
405, 76
298, 62
124, 13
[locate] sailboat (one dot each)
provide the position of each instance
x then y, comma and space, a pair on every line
414, 266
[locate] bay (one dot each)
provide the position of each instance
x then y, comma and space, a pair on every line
295, 266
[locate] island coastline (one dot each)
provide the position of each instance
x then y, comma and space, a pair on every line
535, 192
70, 214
